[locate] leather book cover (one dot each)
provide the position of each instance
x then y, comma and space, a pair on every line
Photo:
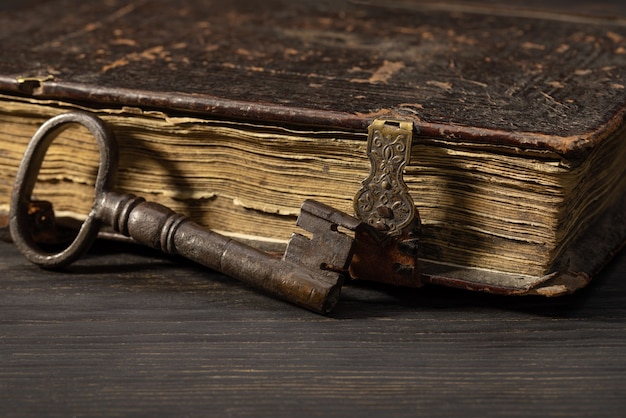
529, 82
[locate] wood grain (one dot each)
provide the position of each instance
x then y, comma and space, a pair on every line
135, 334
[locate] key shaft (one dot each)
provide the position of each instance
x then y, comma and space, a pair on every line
159, 227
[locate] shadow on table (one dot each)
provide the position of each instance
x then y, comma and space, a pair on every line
604, 297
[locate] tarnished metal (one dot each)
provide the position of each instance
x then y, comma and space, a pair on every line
309, 274
384, 201
42, 222
387, 250
392, 260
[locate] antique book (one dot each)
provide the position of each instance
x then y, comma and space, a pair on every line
235, 112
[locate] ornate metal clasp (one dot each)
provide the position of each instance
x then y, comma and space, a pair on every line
387, 251
384, 201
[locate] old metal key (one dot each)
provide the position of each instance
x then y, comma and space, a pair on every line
309, 274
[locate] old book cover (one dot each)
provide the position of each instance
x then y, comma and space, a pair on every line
235, 112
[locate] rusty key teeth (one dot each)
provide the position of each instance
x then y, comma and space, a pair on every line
305, 290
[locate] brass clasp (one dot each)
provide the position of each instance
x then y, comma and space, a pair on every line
387, 250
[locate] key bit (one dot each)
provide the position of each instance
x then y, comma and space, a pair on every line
309, 274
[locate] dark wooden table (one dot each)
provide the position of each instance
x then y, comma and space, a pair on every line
136, 334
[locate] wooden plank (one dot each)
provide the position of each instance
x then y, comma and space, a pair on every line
138, 334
